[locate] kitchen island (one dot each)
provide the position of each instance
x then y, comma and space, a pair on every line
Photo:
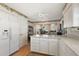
45, 44
57, 45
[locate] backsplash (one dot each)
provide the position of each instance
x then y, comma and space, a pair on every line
72, 32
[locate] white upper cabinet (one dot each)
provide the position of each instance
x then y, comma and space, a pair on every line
70, 15
76, 14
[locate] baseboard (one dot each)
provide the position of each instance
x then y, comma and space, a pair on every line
13, 53
41, 53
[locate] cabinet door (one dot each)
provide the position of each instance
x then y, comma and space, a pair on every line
61, 48
14, 32
44, 45
68, 17
76, 15
53, 47
4, 39
65, 50
35, 44
23, 30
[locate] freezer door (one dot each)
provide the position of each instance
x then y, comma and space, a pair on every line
4, 42
4, 47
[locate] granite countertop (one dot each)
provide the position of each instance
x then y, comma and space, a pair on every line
45, 36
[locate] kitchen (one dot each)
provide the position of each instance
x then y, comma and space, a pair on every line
64, 38
44, 29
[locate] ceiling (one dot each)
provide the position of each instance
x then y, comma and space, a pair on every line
39, 11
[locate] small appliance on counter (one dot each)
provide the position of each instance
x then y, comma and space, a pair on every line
60, 31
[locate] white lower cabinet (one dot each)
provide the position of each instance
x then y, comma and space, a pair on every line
53, 47
35, 44
65, 50
43, 46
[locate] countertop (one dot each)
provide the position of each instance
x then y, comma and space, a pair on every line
44, 36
